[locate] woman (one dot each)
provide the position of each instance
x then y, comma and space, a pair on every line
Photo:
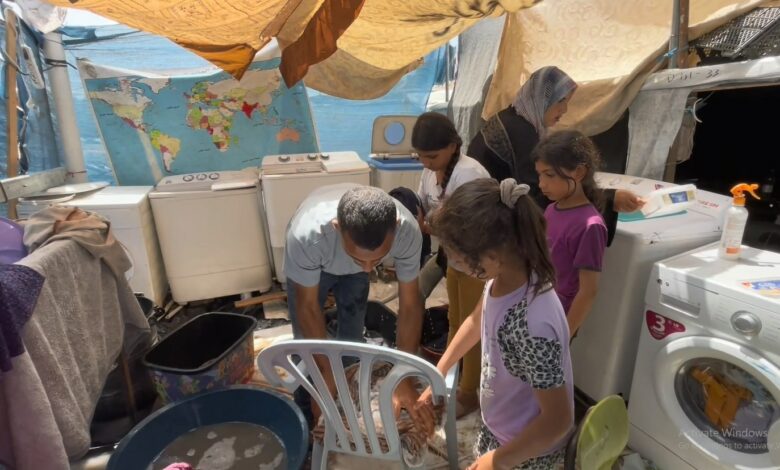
504, 144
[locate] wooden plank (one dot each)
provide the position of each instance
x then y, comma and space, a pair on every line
261, 299
12, 116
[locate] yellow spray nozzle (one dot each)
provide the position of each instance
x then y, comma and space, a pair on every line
739, 190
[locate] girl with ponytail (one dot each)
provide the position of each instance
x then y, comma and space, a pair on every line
496, 232
438, 146
566, 162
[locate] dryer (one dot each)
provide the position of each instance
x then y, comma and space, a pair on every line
604, 351
288, 179
706, 386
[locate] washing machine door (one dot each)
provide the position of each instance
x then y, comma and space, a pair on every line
723, 399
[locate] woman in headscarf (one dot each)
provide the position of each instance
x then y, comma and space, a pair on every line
504, 144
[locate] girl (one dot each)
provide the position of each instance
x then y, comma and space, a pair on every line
438, 145
576, 233
497, 232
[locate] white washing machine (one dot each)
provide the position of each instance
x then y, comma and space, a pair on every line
288, 179
393, 161
604, 352
127, 208
212, 234
706, 387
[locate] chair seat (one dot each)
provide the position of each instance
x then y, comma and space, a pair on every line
603, 434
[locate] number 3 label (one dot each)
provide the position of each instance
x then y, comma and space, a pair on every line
660, 327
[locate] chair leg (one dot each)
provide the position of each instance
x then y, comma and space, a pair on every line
319, 458
450, 424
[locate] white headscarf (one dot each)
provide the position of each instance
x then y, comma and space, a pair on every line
545, 87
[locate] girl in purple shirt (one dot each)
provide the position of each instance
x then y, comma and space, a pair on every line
496, 232
576, 232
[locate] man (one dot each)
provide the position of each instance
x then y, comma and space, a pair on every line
339, 234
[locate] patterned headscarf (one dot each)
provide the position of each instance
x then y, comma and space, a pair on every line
545, 87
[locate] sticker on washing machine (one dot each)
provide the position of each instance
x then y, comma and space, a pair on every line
768, 287
660, 327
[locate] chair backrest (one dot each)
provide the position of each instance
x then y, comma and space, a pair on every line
601, 436
336, 434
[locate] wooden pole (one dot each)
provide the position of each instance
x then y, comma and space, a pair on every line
12, 117
682, 43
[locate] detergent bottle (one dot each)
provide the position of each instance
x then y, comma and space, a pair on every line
736, 219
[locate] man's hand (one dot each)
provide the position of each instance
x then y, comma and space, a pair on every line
626, 201
406, 397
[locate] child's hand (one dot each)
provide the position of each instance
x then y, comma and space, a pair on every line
626, 201
484, 462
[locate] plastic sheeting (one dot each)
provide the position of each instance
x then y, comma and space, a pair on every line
608, 46
477, 52
388, 39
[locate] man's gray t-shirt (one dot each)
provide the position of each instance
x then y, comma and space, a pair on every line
314, 245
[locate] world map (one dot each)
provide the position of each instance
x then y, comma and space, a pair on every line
154, 126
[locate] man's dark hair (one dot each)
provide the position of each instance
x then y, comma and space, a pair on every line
367, 215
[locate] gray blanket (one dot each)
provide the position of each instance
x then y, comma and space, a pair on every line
83, 314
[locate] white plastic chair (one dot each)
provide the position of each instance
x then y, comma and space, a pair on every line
336, 434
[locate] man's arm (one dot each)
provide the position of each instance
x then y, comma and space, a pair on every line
410, 316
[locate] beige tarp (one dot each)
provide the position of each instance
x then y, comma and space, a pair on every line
388, 38
608, 46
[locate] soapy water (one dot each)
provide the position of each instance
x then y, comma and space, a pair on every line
225, 446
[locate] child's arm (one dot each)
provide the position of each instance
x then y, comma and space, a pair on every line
465, 338
555, 419
583, 301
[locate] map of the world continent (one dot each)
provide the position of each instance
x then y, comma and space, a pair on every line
157, 125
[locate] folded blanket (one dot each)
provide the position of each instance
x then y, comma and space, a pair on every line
413, 439
19, 289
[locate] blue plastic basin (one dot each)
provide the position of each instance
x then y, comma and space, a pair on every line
240, 403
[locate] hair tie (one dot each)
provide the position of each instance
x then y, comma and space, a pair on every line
511, 191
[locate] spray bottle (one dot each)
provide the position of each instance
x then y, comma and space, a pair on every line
736, 219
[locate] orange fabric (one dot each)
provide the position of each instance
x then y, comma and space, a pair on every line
233, 59
318, 41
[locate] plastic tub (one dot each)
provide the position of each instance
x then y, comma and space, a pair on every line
211, 351
236, 404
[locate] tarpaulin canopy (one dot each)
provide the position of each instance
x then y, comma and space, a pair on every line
608, 46
348, 48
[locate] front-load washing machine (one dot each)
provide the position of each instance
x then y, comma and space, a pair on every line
706, 386
604, 351
288, 179
212, 235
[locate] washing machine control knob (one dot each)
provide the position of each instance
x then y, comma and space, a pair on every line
312, 156
746, 323
214, 176
201, 177
324, 156
187, 178
284, 158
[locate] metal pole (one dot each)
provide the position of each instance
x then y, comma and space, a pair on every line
12, 115
66, 112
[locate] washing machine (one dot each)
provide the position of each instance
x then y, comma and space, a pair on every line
128, 210
393, 161
706, 386
288, 179
604, 351
212, 235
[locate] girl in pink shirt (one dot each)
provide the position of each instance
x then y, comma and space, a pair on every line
576, 232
